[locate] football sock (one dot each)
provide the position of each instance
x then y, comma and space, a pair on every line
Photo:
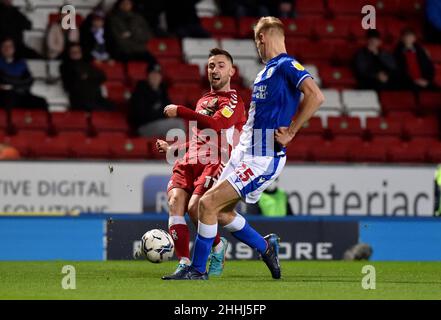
178, 229
242, 231
217, 240
202, 245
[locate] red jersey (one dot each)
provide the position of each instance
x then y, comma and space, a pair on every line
223, 112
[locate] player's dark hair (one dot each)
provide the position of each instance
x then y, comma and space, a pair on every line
217, 51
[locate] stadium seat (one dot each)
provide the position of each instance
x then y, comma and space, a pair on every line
438, 75
430, 101
422, 126
109, 121
136, 71
299, 149
114, 71
177, 95
378, 126
23, 119
245, 94
308, 7
358, 100
363, 115
368, 152
410, 7
434, 51
220, 27
338, 28
23, 141
3, 120
306, 51
434, 152
165, 48
386, 7
246, 27
54, 93
407, 152
185, 94
91, 148
240, 49
313, 126
397, 101
295, 28
339, 126
50, 148
337, 77
38, 69
183, 73
115, 91
197, 48
325, 114
313, 70
332, 100
70, 120
344, 7
130, 148
330, 151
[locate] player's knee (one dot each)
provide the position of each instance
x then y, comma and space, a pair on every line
206, 205
193, 212
174, 206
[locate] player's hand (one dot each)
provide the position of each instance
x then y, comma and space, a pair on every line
283, 136
162, 146
171, 111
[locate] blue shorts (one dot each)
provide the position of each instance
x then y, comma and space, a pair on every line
251, 175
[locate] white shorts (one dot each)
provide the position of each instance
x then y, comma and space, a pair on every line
251, 175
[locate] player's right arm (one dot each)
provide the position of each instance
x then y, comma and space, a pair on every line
313, 98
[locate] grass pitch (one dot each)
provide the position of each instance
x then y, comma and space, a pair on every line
248, 280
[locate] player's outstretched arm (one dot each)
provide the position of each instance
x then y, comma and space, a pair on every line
313, 98
218, 122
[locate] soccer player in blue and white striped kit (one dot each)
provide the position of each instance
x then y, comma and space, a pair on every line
259, 157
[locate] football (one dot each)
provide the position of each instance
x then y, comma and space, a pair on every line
157, 245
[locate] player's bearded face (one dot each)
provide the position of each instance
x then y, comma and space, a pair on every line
218, 72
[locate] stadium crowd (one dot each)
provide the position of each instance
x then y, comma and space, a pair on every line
109, 38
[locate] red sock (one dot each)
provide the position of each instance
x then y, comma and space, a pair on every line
217, 240
181, 238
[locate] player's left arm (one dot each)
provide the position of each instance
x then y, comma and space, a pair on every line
227, 115
313, 98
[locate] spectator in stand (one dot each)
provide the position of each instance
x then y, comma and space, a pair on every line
146, 106
12, 25
16, 80
83, 82
415, 67
94, 36
433, 21
8, 152
285, 9
58, 39
129, 33
183, 21
375, 68
152, 11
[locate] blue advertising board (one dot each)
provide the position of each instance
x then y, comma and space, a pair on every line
39, 238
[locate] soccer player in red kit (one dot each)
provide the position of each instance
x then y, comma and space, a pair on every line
222, 111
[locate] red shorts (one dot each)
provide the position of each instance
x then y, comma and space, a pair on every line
194, 178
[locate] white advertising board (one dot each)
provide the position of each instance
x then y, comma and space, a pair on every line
136, 187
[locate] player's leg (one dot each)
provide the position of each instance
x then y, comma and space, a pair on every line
210, 205
220, 244
177, 203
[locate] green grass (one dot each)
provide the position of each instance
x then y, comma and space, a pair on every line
247, 280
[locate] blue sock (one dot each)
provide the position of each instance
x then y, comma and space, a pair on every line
202, 248
251, 237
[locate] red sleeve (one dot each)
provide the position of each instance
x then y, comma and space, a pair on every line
228, 115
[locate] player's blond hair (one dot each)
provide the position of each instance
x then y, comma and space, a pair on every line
268, 23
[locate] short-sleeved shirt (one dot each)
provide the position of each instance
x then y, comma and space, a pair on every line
275, 100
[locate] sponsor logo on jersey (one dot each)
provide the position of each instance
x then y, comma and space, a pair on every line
298, 66
260, 92
227, 111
